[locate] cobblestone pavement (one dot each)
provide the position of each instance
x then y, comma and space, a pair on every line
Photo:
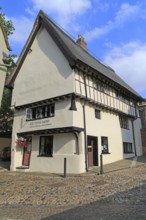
120, 195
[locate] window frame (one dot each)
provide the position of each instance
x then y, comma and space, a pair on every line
50, 151
124, 122
97, 113
104, 150
40, 112
127, 145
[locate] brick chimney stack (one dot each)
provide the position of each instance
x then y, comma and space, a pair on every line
81, 42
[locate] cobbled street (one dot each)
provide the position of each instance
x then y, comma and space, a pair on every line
119, 195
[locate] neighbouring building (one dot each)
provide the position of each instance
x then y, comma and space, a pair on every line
142, 109
69, 105
5, 138
4, 49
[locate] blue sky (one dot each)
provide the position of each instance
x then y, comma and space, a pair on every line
115, 31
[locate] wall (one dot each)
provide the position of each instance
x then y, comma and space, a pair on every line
44, 74
3, 48
64, 146
63, 118
103, 94
108, 126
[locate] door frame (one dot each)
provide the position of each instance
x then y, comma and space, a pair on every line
27, 151
92, 142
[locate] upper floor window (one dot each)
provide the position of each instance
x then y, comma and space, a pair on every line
40, 112
122, 97
124, 122
102, 87
97, 114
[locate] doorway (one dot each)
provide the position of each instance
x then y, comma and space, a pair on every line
27, 153
92, 151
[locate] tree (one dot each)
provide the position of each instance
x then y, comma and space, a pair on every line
7, 24
6, 114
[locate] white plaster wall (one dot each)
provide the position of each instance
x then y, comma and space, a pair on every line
44, 74
63, 147
108, 126
137, 133
3, 48
63, 118
16, 151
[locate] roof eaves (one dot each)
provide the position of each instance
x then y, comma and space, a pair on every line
5, 38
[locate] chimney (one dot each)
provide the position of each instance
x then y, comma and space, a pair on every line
81, 42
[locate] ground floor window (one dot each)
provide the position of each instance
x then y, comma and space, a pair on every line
127, 147
46, 146
104, 144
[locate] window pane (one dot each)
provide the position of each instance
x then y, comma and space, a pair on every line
97, 114
124, 122
40, 112
104, 142
46, 146
127, 147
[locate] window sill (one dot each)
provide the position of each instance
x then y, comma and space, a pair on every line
105, 153
128, 152
44, 156
35, 119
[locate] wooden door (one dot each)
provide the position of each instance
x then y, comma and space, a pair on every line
92, 151
27, 153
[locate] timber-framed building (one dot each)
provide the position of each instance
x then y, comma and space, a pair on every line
69, 105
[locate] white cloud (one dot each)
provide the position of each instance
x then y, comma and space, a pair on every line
98, 32
125, 14
23, 26
63, 7
129, 61
65, 10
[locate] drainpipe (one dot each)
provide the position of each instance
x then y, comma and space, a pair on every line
134, 137
134, 142
84, 119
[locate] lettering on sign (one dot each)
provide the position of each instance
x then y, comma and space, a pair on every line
40, 123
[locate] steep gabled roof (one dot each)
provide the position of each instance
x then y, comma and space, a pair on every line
5, 38
72, 51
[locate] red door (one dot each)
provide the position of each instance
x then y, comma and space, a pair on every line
27, 153
92, 151
90, 155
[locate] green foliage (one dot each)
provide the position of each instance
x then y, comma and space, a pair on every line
7, 24
6, 114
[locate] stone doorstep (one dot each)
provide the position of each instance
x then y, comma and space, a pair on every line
23, 168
